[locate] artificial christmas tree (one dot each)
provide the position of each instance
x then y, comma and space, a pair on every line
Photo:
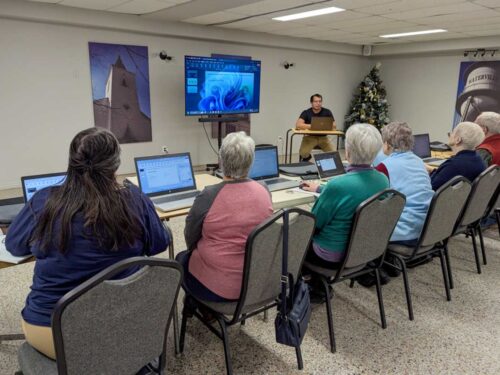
369, 104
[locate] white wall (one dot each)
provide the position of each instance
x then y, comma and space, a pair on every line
45, 92
422, 91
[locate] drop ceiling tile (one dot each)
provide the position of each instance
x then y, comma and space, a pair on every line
382, 26
332, 34
292, 31
463, 8
474, 18
250, 23
306, 8
430, 37
488, 3
407, 5
275, 25
317, 33
359, 4
211, 18
92, 4
369, 20
478, 27
46, 1
332, 18
271, 6
141, 6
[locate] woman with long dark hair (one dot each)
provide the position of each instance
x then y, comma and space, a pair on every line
79, 228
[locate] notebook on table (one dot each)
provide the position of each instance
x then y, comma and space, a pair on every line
265, 168
168, 180
321, 123
7, 257
422, 148
32, 184
329, 164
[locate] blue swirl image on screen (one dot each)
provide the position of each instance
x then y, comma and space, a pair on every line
226, 91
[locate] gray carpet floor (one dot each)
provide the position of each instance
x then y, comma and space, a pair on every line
457, 337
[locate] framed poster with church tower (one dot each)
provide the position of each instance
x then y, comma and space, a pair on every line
120, 90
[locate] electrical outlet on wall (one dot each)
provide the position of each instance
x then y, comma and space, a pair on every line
164, 149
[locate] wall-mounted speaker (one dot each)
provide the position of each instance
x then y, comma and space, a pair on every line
366, 50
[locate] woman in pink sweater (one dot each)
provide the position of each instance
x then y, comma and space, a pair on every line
219, 223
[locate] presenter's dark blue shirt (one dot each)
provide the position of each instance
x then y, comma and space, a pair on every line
56, 273
465, 163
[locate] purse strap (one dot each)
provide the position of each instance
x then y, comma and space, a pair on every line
284, 264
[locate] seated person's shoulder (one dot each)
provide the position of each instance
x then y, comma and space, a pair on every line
306, 115
134, 197
38, 200
132, 191
338, 183
259, 186
326, 112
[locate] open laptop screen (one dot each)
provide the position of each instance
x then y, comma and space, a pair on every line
329, 164
265, 163
422, 146
31, 184
165, 174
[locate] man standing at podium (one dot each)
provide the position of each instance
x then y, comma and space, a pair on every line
304, 123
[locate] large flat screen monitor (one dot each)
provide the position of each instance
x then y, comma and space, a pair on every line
216, 86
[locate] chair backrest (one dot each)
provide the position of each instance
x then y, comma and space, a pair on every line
263, 257
446, 206
483, 190
109, 326
373, 224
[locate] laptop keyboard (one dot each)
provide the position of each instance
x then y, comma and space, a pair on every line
282, 184
176, 197
276, 181
430, 160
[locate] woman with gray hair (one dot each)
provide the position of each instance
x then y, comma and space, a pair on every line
335, 207
218, 224
466, 162
408, 175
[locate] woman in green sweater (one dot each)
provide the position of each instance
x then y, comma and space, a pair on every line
339, 198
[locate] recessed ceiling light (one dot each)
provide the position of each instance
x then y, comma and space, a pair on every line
311, 13
413, 33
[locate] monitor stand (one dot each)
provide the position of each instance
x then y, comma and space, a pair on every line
220, 120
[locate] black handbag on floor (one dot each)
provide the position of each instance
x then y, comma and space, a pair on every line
294, 309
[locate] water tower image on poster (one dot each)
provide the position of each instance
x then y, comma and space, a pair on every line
120, 90
478, 90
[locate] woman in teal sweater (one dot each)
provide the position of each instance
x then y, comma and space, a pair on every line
339, 198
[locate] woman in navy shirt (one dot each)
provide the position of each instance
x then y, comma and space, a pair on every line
80, 228
466, 162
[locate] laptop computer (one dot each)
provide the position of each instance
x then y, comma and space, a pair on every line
265, 168
329, 164
321, 123
168, 180
422, 148
32, 184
